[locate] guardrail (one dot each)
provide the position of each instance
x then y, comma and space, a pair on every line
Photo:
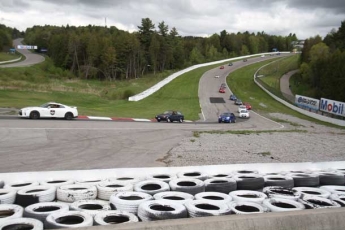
162, 83
293, 107
14, 60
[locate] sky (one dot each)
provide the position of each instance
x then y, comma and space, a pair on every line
305, 18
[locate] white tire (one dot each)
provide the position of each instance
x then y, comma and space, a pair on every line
306, 191
56, 182
74, 192
248, 196
245, 207
177, 197
10, 211
129, 201
282, 205
70, 219
201, 208
106, 189
7, 196
249, 181
21, 223
115, 217
316, 202
281, 192
92, 207
279, 180
161, 210
165, 177
188, 185
20, 184
220, 184
214, 197
43, 193
40, 211
340, 199
151, 186
91, 181
339, 190
193, 175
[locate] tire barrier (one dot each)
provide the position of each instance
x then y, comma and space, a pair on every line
296, 172
339, 190
340, 199
331, 178
214, 197
10, 211
305, 179
245, 172
221, 175
315, 202
35, 194
193, 175
125, 179
21, 223
151, 186
248, 196
20, 185
202, 208
177, 197
73, 192
129, 201
162, 177
279, 180
249, 181
188, 185
57, 182
69, 219
1, 184
306, 191
245, 207
7, 196
282, 205
106, 189
220, 184
161, 210
91, 207
40, 211
91, 182
281, 192
115, 217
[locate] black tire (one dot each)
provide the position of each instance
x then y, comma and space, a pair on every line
219, 122
223, 185
168, 119
305, 179
181, 120
331, 178
279, 180
69, 116
158, 120
34, 115
249, 181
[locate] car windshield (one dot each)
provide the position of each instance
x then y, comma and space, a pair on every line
45, 105
244, 111
168, 112
226, 114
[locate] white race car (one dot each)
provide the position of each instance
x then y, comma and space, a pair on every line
241, 107
244, 113
49, 110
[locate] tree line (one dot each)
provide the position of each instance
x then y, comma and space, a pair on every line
7, 34
322, 64
94, 52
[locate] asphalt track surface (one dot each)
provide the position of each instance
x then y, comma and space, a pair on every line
30, 58
49, 145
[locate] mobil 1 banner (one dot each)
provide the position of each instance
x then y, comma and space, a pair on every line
307, 102
334, 107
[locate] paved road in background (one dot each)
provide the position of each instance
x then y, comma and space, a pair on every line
285, 85
30, 58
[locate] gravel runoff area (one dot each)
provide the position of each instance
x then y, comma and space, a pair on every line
311, 143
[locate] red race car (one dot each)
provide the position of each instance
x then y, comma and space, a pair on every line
222, 67
248, 106
222, 90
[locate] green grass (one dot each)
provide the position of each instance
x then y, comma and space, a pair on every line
298, 86
7, 56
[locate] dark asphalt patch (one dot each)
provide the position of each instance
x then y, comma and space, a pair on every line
216, 100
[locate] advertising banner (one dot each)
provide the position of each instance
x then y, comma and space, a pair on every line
334, 107
307, 102
25, 47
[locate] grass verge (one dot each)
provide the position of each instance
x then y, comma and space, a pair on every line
7, 56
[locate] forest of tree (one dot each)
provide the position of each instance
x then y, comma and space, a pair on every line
95, 52
323, 64
7, 34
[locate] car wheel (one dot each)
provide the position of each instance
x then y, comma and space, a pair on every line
219, 122
169, 120
68, 116
34, 115
181, 120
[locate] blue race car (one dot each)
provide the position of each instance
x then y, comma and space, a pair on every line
233, 97
227, 118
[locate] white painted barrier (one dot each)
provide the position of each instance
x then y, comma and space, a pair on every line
302, 111
162, 83
14, 60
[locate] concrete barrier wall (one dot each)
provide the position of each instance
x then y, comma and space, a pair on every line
302, 111
162, 83
14, 60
